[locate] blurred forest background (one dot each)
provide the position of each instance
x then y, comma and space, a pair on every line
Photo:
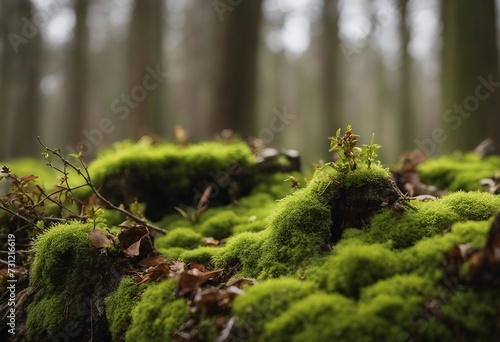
86, 73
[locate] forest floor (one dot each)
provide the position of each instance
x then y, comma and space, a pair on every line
225, 241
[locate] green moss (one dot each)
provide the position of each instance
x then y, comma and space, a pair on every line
180, 237
399, 285
275, 186
220, 226
475, 206
427, 257
243, 250
47, 176
265, 300
119, 306
429, 219
64, 271
158, 314
201, 255
171, 252
474, 316
318, 317
165, 176
252, 226
352, 267
458, 171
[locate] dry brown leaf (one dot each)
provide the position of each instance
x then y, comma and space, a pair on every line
99, 240
153, 259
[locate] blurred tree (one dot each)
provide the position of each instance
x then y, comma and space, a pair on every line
235, 67
470, 77
76, 75
407, 122
330, 74
20, 79
146, 61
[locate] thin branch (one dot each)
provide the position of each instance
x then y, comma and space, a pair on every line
17, 215
89, 182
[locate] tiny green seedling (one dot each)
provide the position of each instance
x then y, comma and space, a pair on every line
349, 154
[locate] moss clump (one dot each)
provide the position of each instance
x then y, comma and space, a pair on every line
427, 257
459, 171
298, 230
429, 219
158, 314
119, 306
180, 237
64, 271
274, 185
242, 251
165, 175
476, 206
201, 255
355, 266
265, 300
171, 252
220, 226
318, 317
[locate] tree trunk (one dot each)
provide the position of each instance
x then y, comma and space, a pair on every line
330, 81
470, 73
76, 79
235, 69
146, 58
20, 80
407, 122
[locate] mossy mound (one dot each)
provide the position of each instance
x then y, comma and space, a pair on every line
185, 238
158, 314
432, 217
66, 274
351, 267
119, 306
459, 171
307, 222
165, 176
264, 301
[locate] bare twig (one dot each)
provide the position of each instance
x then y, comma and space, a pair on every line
90, 184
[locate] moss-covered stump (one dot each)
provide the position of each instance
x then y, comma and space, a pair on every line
69, 278
307, 223
166, 176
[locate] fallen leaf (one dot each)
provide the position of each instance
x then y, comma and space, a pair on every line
153, 259
99, 240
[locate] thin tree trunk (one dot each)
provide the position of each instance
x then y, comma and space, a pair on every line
145, 53
407, 122
20, 67
331, 75
77, 80
470, 73
236, 69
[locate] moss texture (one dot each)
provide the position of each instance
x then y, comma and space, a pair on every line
266, 300
158, 314
165, 175
119, 306
459, 171
65, 269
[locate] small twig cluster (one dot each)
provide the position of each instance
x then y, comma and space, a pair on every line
27, 199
